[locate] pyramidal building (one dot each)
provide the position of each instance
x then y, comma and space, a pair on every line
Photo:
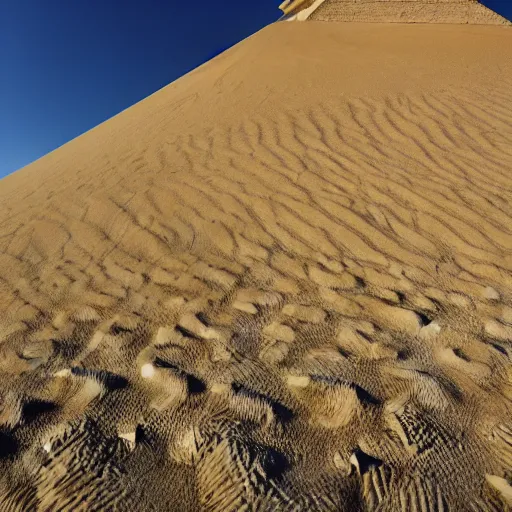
392, 11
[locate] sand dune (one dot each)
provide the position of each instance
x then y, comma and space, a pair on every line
283, 282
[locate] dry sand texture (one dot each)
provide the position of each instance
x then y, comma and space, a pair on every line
283, 282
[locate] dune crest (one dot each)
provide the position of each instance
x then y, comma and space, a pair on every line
283, 282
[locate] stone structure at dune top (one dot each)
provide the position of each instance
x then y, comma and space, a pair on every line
281, 283
393, 11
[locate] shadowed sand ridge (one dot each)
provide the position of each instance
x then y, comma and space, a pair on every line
393, 11
283, 282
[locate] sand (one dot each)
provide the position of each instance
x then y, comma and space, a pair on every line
283, 282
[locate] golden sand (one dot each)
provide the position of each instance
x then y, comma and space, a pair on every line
283, 282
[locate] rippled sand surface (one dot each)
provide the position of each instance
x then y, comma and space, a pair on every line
283, 282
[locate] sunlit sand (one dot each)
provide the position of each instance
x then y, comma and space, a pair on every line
283, 282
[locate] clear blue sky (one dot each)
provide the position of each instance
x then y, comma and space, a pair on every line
68, 65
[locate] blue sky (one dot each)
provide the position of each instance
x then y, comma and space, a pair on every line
68, 65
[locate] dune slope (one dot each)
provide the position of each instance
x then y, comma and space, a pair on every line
283, 282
